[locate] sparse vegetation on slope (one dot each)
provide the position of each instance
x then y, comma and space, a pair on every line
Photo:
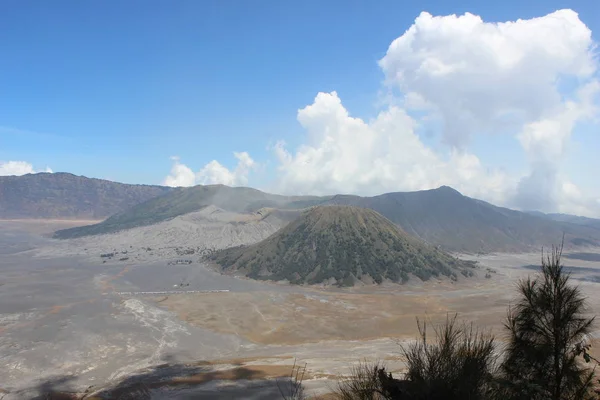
341, 244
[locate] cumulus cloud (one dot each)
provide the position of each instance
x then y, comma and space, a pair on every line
345, 154
212, 173
482, 76
572, 200
502, 77
533, 79
18, 168
181, 175
545, 142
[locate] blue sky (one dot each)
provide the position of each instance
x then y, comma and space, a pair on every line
113, 89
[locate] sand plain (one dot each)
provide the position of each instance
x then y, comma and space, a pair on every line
63, 313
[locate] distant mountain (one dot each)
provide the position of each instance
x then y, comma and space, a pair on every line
185, 200
440, 216
574, 219
340, 245
445, 217
62, 195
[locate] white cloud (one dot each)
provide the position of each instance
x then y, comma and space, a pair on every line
532, 79
573, 201
214, 172
348, 155
181, 175
545, 142
481, 76
488, 76
502, 77
18, 168
211, 173
476, 77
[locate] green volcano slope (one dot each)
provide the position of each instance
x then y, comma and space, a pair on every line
341, 245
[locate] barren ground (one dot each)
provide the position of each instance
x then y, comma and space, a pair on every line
70, 321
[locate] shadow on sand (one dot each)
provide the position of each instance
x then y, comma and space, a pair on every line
199, 380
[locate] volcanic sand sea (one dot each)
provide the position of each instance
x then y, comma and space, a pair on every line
64, 316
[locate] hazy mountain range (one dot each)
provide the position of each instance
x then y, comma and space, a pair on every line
440, 216
574, 219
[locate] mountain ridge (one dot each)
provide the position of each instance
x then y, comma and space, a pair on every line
459, 223
441, 216
574, 219
68, 196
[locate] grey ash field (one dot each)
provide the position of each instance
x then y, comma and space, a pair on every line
71, 318
160, 291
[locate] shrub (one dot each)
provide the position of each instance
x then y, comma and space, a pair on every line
364, 383
458, 365
544, 330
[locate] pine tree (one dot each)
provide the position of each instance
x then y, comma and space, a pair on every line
544, 329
